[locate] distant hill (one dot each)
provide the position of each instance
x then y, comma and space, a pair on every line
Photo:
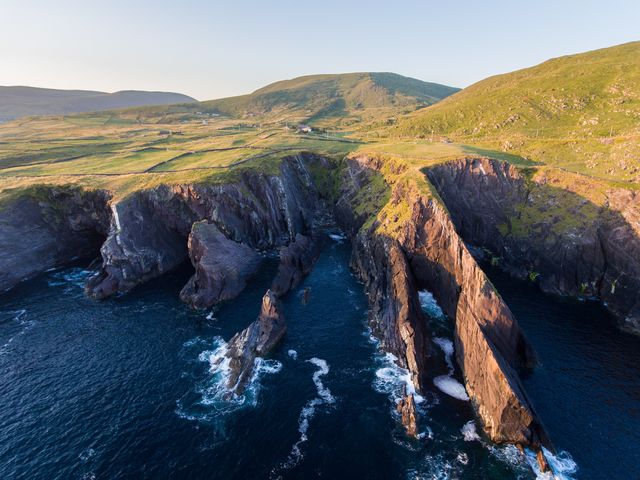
579, 111
19, 101
318, 97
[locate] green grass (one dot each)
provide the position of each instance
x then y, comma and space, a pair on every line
580, 112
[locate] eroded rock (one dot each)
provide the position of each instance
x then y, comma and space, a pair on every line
407, 409
47, 227
257, 340
296, 261
570, 234
222, 266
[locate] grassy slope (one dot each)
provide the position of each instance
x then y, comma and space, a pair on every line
317, 97
579, 112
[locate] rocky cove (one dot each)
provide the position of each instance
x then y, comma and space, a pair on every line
405, 240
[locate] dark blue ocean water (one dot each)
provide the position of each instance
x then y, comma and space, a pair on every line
124, 388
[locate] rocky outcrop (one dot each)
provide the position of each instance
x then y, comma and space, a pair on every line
570, 234
296, 261
222, 266
407, 409
143, 243
149, 230
257, 340
413, 244
46, 227
395, 314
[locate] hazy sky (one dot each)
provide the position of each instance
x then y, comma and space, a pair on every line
210, 49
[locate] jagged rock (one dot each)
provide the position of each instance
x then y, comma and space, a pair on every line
395, 314
424, 247
576, 247
141, 245
258, 339
49, 226
296, 261
222, 266
149, 229
542, 462
407, 409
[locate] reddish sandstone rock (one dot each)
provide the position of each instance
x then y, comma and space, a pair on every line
407, 409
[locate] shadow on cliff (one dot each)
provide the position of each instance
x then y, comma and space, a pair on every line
540, 231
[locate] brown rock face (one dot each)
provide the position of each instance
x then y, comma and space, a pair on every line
577, 248
222, 266
395, 314
149, 229
416, 246
258, 339
296, 261
407, 410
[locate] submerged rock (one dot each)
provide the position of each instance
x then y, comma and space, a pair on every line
257, 340
222, 266
296, 261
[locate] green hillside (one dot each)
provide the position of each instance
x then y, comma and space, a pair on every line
580, 112
321, 97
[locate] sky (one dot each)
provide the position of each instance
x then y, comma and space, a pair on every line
212, 49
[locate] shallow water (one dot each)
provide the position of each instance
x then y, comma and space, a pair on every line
129, 388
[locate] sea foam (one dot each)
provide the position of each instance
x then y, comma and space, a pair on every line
306, 414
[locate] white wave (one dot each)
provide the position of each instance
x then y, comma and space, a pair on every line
446, 346
562, 465
293, 354
306, 414
73, 279
429, 305
394, 380
214, 394
210, 315
463, 458
451, 387
469, 431
337, 237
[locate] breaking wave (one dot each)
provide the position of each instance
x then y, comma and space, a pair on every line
213, 398
469, 432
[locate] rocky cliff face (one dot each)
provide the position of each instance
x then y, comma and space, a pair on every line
46, 227
571, 235
149, 231
413, 244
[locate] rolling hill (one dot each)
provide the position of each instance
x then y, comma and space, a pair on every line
580, 112
16, 102
316, 98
